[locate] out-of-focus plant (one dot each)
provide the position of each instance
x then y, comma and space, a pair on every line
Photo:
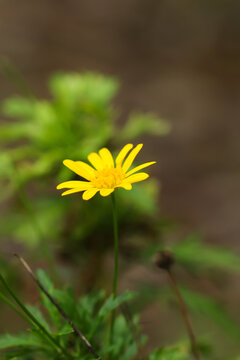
50, 336
198, 261
52, 326
196, 256
79, 118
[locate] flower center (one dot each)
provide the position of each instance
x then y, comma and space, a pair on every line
108, 178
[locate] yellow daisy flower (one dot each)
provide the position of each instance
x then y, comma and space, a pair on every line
105, 175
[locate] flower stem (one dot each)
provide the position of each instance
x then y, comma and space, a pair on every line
115, 277
9, 303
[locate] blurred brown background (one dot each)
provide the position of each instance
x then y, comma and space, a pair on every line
177, 58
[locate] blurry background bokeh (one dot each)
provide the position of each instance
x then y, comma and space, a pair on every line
178, 59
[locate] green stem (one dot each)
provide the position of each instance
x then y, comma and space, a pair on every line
115, 278
30, 318
9, 303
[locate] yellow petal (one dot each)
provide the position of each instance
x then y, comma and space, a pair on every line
140, 167
107, 157
80, 168
123, 153
126, 186
96, 161
136, 178
72, 191
88, 194
75, 184
106, 192
129, 160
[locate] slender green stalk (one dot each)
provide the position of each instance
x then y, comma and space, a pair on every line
116, 250
9, 303
32, 318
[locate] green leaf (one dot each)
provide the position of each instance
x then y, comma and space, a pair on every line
88, 88
198, 303
18, 107
6, 175
204, 305
176, 352
22, 353
130, 352
47, 211
6, 166
193, 252
14, 132
87, 304
39, 316
65, 298
52, 311
111, 303
139, 124
126, 338
87, 315
66, 330
143, 198
28, 340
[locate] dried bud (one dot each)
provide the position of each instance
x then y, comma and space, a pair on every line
164, 260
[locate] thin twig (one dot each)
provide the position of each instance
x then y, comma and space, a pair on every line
60, 310
165, 260
185, 314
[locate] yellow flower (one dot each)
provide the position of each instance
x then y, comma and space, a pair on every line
105, 175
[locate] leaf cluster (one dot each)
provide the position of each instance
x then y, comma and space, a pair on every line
91, 314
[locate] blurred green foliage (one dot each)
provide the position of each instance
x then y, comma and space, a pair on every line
196, 261
177, 352
91, 314
79, 118
51, 337
205, 309
197, 256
